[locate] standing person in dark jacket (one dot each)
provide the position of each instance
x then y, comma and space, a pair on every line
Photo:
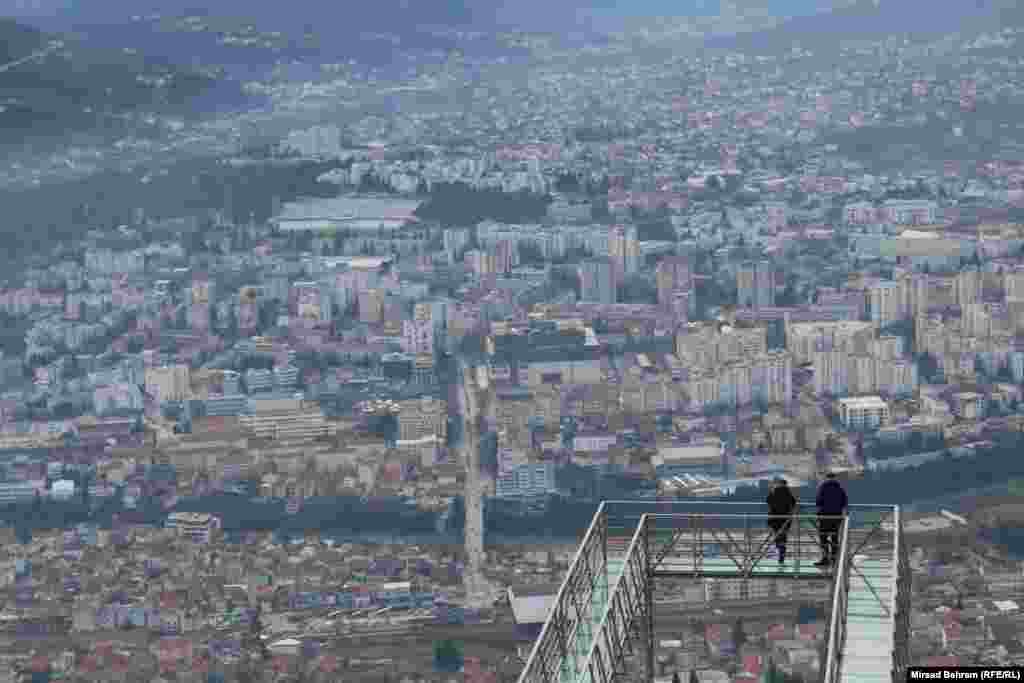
781, 504
832, 503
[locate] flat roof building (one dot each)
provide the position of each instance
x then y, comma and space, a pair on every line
863, 412
347, 213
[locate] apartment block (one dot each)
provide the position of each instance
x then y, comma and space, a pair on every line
195, 526
168, 383
863, 412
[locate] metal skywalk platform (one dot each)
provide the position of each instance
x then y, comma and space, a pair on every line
604, 608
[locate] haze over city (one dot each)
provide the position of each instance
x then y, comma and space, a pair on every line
435, 340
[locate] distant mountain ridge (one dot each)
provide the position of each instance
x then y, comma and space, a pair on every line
341, 30
17, 39
868, 20
339, 17
80, 86
404, 16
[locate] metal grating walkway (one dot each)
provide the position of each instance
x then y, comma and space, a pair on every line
603, 612
871, 603
867, 656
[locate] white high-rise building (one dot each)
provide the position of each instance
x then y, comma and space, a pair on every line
863, 412
624, 248
318, 141
168, 383
831, 375
967, 286
1013, 284
597, 281
884, 302
418, 333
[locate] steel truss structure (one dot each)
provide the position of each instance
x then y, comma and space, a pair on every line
604, 611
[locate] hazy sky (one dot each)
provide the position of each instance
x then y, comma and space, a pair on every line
538, 12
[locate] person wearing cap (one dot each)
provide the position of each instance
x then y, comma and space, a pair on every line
781, 504
832, 503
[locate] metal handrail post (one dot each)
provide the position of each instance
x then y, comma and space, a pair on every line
894, 600
801, 541
646, 521
747, 542
558, 605
611, 617
837, 625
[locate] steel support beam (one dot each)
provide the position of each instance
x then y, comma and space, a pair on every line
599, 616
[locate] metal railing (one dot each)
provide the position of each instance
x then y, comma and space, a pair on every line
556, 653
873, 536
624, 515
738, 545
592, 623
871, 531
837, 619
901, 602
626, 606
894, 599
874, 533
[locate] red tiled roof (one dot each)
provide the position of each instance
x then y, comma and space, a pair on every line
752, 665
119, 663
942, 661
200, 663
809, 631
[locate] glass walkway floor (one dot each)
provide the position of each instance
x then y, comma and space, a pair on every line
604, 602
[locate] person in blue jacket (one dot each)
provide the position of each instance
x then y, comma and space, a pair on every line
832, 503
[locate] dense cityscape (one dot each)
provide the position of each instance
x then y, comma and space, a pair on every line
329, 387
